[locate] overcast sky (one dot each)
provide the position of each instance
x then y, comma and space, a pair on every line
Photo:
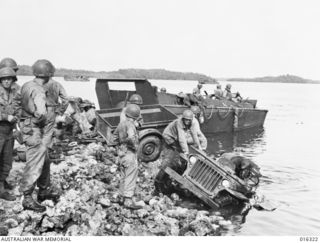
227, 38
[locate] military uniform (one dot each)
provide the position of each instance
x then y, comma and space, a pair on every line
37, 133
202, 139
126, 136
9, 105
175, 137
55, 91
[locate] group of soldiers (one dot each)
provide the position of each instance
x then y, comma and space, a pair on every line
177, 136
196, 98
31, 110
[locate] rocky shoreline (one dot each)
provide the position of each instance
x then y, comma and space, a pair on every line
89, 203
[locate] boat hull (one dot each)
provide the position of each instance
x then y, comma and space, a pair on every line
218, 120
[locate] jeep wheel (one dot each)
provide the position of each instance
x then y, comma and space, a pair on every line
149, 149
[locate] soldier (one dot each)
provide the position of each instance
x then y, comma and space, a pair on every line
126, 137
163, 90
175, 141
134, 99
9, 115
196, 124
37, 127
218, 93
227, 92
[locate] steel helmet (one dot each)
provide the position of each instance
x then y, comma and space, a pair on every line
163, 90
43, 68
228, 86
136, 99
187, 114
181, 95
200, 85
9, 62
133, 111
8, 72
195, 109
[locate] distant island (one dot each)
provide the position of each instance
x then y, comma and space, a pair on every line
278, 79
126, 73
164, 75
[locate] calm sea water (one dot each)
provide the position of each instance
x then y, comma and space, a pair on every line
287, 150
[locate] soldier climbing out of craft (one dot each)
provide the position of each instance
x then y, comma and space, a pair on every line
175, 142
9, 116
127, 139
37, 125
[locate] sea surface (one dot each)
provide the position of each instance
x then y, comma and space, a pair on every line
287, 149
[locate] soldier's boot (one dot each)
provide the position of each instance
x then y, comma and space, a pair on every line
129, 203
8, 186
48, 194
29, 203
4, 194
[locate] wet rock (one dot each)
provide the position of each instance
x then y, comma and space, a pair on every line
11, 223
17, 231
17, 208
153, 201
189, 233
46, 223
224, 223
201, 227
105, 202
48, 203
3, 230
142, 213
178, 213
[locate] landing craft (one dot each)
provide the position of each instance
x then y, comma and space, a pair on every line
220, 116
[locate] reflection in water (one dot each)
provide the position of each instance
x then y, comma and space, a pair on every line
243, 141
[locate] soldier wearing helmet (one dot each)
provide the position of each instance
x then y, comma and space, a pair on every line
175, 141
183, 99
9, 115
227, 92
163, 90
134, 99
11, 63
218, 92
127, 139
37, 129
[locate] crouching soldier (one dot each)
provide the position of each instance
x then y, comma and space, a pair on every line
126, 137
175, 142
9, 113
37, 128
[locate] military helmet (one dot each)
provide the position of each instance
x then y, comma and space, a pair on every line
9, 62
228, 86
43, 68
181, 95
200, 85
195, 109
163, 90
187, 114
133, 111
7, 72
136, 99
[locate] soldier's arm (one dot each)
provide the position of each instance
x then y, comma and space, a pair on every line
132, 139
63, 94
194, 133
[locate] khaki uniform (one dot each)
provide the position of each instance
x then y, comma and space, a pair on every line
227, 94
9, 105
202, 139
55, 91
126, 136
218, 93
37, 130
175, 136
